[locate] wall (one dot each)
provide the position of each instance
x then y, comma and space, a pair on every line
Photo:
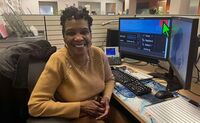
33, 5
194, 4
179, 7
184, 7
94, 6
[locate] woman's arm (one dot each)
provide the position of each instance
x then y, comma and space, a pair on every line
41, 102
109, 79
109, 86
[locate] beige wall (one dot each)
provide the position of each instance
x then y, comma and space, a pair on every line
184, 7
194, 5
179, 6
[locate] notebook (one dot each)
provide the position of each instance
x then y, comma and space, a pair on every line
176, 110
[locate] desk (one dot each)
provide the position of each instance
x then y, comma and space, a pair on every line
136, 105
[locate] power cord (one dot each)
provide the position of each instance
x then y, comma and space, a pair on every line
198, 72
163, 67
198, 57
157, 74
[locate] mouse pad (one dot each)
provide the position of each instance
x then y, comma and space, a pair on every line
155, 88
151, 98
124, 91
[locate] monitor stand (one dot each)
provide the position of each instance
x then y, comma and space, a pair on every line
173, 83
131, 61
159, 75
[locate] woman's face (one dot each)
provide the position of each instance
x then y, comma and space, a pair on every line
77, 36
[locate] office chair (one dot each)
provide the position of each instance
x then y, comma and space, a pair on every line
28, 71
35, 68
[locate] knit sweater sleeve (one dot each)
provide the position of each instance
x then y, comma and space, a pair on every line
41, 102
109, 79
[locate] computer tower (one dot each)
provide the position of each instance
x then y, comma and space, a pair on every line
112, 37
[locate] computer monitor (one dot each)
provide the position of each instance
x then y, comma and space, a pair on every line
145, 39
183, 51
112, 39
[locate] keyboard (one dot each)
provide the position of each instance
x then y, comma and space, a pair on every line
133, 84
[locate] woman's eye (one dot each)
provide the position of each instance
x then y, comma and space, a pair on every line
84, 32
70, 33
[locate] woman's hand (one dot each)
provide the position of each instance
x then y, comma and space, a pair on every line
92, 108
105, 102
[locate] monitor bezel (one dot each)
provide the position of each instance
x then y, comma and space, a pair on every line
143, 57
193, 49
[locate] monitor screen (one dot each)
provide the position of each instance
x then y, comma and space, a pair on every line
110, 51
183, 49
144, 38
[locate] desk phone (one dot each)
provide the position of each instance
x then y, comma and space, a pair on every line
113, 55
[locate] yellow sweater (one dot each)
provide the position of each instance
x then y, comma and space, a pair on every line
63, 84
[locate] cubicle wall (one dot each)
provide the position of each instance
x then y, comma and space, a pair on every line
50, 25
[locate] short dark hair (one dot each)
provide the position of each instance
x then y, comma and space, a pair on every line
75, 13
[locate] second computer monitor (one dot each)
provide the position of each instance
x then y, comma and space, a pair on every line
183, 49
144, 39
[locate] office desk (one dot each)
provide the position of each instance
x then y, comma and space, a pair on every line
136, 104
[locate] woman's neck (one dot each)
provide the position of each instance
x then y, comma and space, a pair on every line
81, 59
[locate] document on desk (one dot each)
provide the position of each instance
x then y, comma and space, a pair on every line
138, 75
177, 110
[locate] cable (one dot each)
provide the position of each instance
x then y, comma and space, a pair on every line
196, 79
198, 57
198, 37
156, 73
198, 71
163, 67
153, 64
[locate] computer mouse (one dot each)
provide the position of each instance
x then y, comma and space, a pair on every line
162, 94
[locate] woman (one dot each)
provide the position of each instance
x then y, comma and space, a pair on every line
77, 81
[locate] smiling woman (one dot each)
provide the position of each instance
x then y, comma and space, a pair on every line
78, 38
77, 81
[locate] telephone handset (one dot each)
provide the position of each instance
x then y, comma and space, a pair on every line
113, 55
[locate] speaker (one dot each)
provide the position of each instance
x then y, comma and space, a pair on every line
112, 37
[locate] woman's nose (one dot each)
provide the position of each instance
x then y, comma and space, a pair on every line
78, 37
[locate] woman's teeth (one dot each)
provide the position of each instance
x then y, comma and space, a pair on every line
79, 45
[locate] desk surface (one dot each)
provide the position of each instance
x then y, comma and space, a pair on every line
149, 68
136, 105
